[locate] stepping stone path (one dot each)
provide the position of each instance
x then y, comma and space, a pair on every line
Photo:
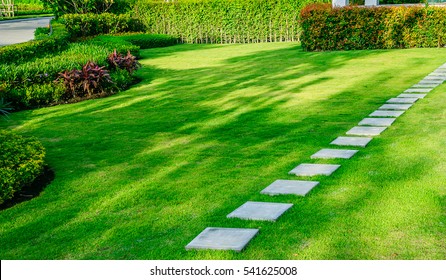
237, 238
263, 211
351, 141
314, 169
366, 130
377, 121
223, 239
333, 153
384, 113
290, 187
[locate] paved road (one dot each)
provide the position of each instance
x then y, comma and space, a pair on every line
20, 30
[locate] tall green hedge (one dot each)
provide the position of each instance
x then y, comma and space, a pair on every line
325, 28
224, 21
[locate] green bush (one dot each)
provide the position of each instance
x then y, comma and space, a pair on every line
31, 84
90, 24
111, 43
224, 21
143, 41
61, 7
35, 95
21, 161
324, 28
36, 48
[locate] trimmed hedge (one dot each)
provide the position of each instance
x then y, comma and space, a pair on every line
90, 24
354, 28
21, 162
143, 41
36, 48
224, 21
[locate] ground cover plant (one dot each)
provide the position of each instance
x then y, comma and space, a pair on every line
139, 174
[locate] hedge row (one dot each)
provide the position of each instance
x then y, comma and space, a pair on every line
90, 24
325, 28
224, 21
36, 48
21, 161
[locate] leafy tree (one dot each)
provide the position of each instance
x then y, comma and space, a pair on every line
61, 7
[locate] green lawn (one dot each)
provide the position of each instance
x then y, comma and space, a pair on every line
141, 173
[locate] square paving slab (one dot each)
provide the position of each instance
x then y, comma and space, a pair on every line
261, 211
384, 113
433, 78
290, 187
334, 153
425, 85
311, 169
223, 239
377, 121
417, 90
441, 74
366, 130
351, 141
395, 106
412, 95
406, 100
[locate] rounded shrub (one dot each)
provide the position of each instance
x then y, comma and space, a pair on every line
21, 162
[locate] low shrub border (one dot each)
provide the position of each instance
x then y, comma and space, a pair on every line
21, 161
90, 24
349, 28
41, 47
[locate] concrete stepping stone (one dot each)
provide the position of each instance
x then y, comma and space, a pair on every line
366, 130
441, 74
260, 211
312, 169
377, 121
417, 90
425, 85
334, 153
295, 187
351, 141
223, 239
412, 95
385, 113
433, 78
395, 106
406, 100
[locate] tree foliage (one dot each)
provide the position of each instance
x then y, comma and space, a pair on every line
61, 7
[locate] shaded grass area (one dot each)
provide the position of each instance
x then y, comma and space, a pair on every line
140, 174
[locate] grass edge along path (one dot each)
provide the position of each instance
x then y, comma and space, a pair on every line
139, 174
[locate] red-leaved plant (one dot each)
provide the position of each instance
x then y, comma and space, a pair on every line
128, 62
92, 79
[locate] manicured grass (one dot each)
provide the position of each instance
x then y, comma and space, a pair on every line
141, 173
